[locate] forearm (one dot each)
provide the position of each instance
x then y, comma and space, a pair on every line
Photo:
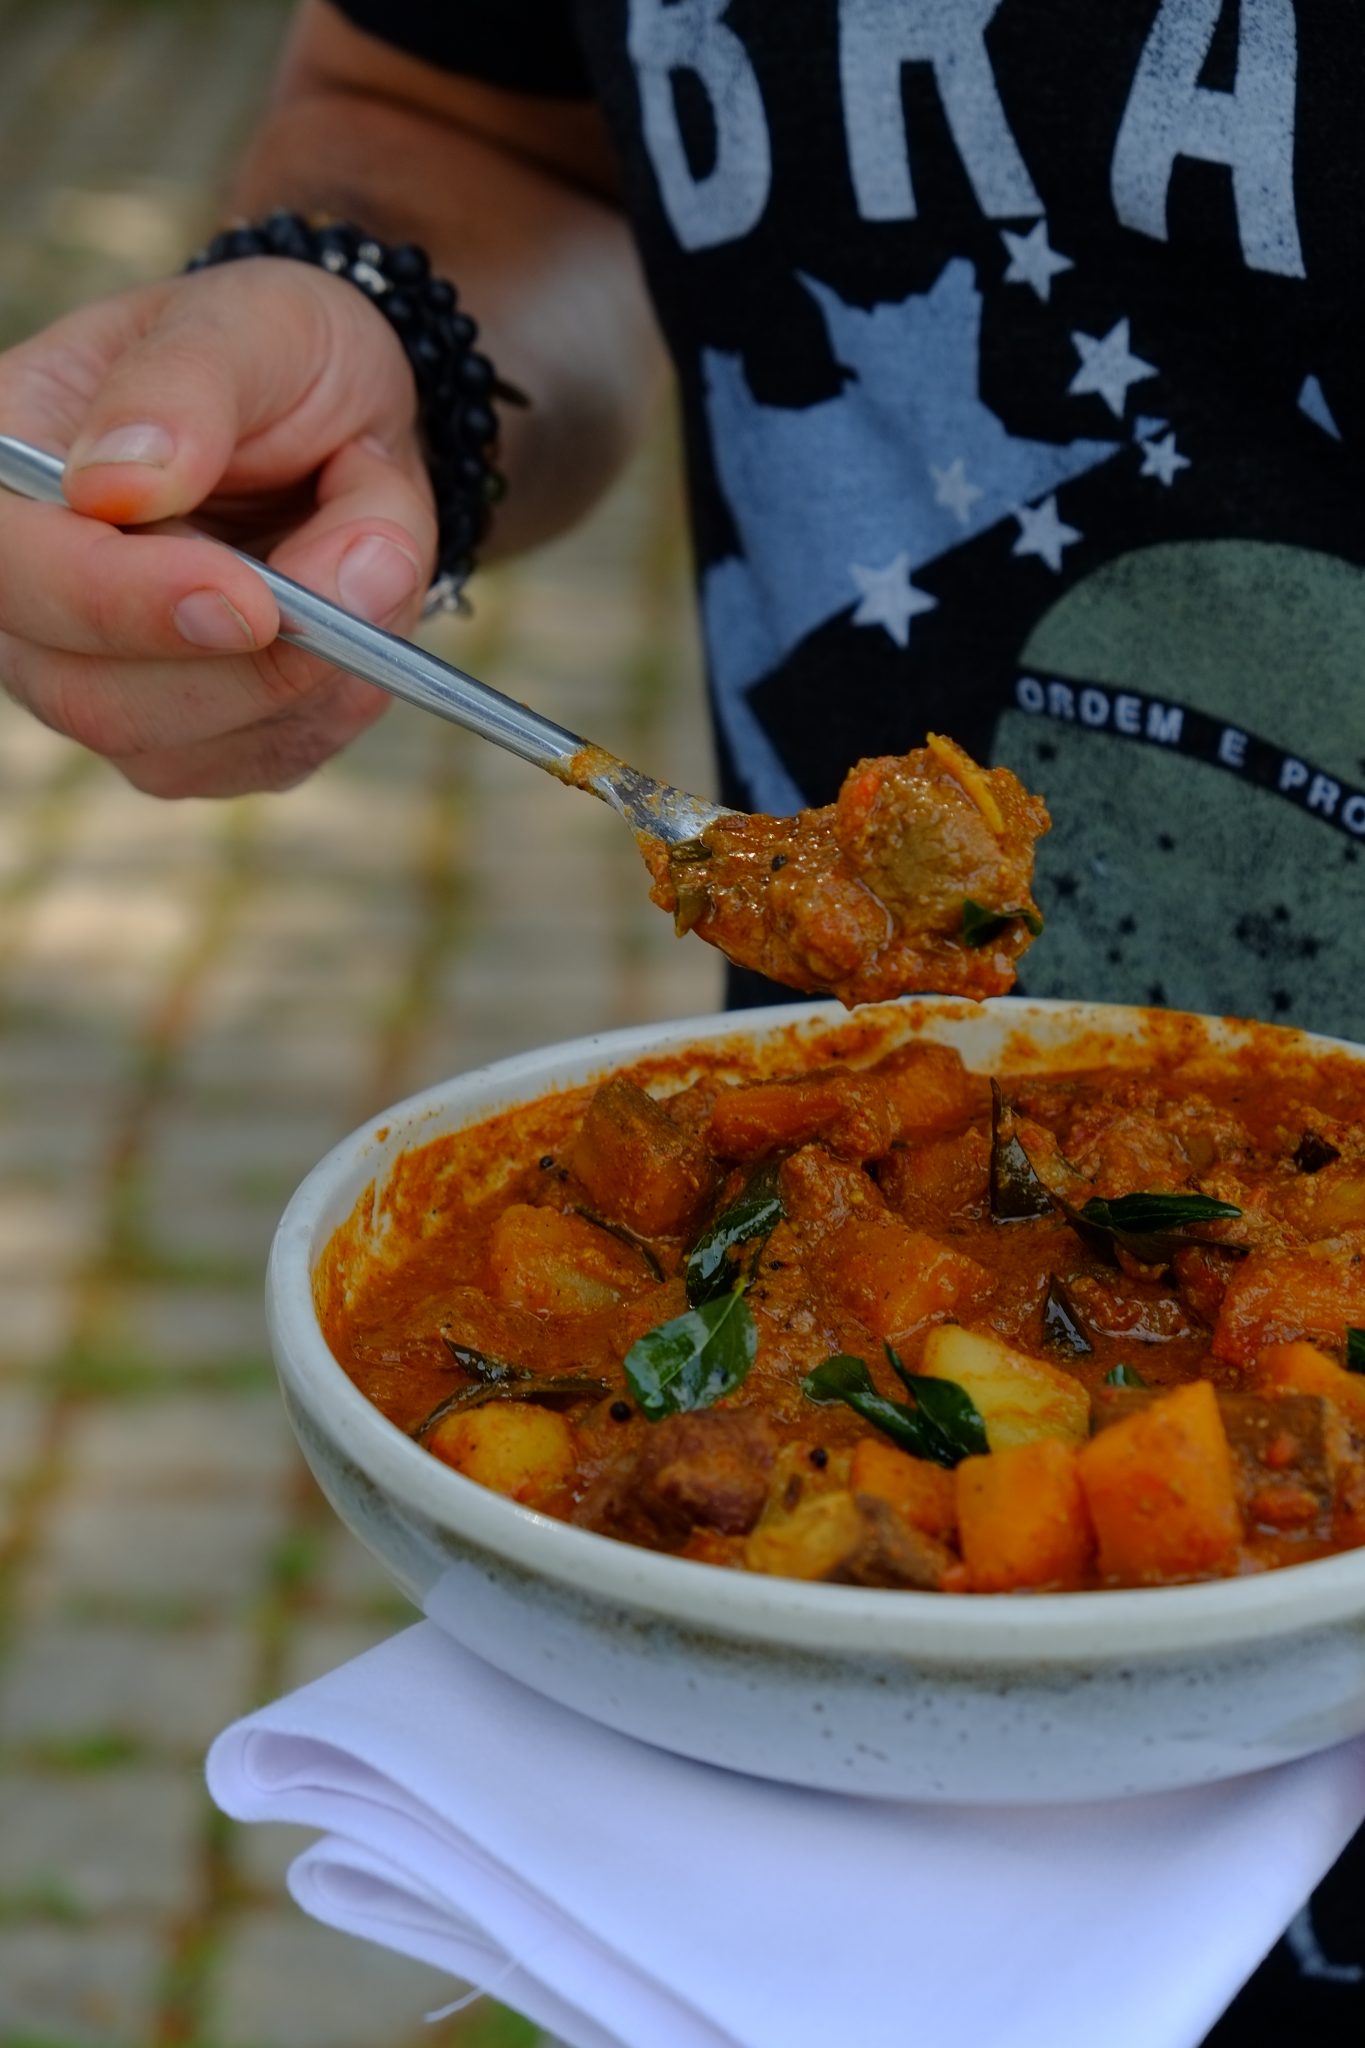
548, 270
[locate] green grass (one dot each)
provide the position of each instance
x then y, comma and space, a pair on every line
45, 1899
489, 2025
102, 1750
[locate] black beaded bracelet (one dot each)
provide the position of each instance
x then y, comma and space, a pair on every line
456, 386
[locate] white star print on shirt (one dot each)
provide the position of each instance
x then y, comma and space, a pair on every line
889, 598
1033, 261
1108, 367
1162, 459
1043, 533
952, 490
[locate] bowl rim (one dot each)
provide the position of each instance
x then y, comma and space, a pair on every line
1101, 1627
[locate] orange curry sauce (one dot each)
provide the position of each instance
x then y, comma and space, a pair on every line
549, 1240
918, 877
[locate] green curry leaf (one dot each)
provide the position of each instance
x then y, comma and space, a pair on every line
1124, 1376
695, 1359
749, 1219
1355, 1350
944, 1425
980, 926
1150, 1227
1142, 1215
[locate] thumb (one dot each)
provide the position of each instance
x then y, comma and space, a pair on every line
173, 406
158, 435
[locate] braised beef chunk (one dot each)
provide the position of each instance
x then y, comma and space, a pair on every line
819, 1190
707, 1469
891, 1553
938, 1177
1201, 1278
639, 1166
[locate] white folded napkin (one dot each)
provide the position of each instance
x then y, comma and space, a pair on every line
626, 1898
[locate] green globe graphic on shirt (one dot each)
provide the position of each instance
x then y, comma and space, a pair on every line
1263, 639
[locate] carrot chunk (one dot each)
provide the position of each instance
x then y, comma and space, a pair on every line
930, 1091
1314, 1291
922, 1494
895, 1279
1023, 1518
1300, 1368
844, 1110
1161, 1491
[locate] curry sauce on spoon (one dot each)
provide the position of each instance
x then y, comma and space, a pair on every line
918, 877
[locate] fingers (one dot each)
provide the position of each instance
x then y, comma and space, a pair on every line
252, 388
241, 721
80, 586
273, 754
371, 544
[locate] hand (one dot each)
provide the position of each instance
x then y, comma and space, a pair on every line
274, 404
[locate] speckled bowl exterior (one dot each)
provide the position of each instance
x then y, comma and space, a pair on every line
1041, 1698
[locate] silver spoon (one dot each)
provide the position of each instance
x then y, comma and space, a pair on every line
338, 637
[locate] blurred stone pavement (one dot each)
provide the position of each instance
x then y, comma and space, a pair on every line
196, 1000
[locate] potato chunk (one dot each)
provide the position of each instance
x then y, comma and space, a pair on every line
851, 1540
1161, 1492
559, 1265
1020, 1398
1023, 1519
510, 1446
639, 1167
1320, 1204
896, 1279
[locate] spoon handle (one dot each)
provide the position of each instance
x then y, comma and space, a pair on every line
310, 622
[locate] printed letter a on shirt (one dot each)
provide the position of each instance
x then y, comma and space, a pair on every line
876, 39
1169, 114
667, 36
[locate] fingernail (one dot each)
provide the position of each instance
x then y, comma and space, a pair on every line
206, 619
375, 577
145, 443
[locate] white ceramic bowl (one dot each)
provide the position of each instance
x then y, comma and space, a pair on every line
928, 1696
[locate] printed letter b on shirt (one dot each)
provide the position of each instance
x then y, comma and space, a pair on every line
726, 201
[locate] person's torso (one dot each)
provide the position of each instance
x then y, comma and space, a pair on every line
1018, 348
